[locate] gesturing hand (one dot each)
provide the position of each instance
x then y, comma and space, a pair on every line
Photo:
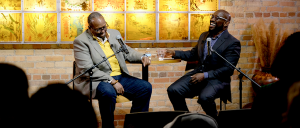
169, 53
119, 88
196, 78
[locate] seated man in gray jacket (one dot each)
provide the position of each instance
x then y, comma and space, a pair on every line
112, 76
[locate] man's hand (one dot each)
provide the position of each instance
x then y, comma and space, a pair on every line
146, 61
119, 88
169, 53
196, 78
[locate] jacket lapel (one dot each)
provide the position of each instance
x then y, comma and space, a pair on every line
97, 47
201, 47
221, 40
114, 47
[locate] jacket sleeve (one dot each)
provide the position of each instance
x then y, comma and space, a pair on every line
232, 54
133, 55
84, 61
191, 55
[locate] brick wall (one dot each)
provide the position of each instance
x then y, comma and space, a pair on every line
46, 63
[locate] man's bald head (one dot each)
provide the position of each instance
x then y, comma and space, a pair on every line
224, 14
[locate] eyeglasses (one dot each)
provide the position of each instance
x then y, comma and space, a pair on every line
217, 17
100, 29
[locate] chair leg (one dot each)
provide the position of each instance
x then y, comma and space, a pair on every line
74, 71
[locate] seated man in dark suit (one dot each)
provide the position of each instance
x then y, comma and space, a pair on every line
211, 78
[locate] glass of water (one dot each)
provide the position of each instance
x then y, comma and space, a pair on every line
161, 53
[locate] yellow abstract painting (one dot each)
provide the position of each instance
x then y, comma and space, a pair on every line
140, 26
204, 5
76, 5
72, 25
173, 26
10, 4
10, 27
173, 5
109, 5
115, 21
199, 24
40, 5
140, 5
41, 27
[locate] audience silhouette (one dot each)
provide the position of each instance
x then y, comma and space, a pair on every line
58, 106
13, 96
290, 119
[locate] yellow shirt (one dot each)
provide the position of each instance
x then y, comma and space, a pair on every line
116, 70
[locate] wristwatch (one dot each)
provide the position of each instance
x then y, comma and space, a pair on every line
109, 81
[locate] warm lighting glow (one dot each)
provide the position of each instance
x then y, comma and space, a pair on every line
204, 5
72, 25
76, 5
39, 5
105, 5
173, 26
10, 5
40, 26
173, 5
140, 26
140, 5
10, 27
115, 21
199, 24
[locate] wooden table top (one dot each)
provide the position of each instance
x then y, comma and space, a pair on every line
166, 60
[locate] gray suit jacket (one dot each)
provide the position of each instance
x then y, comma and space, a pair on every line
87, 52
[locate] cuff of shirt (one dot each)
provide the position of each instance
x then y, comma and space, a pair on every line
205, 75
143, 56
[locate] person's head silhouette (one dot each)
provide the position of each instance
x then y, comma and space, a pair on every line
57, 105
13, 95
286, 64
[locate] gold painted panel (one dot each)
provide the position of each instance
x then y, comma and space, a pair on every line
40, 5
199, 24
173, 26
76, 5
140, 26
115, 21
72, 25
10, 27
140, 5
173, 5
10, 4
40, 27
204, 5
109, 5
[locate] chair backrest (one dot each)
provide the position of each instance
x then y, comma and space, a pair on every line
193, 120
74, 72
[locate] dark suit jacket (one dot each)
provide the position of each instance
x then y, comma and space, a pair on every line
219, 71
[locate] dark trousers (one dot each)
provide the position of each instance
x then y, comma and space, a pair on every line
182, 89
137, 90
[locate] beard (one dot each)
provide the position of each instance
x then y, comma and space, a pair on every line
216, 30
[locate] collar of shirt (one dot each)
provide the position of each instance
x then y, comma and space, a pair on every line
217, 36
105, 39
